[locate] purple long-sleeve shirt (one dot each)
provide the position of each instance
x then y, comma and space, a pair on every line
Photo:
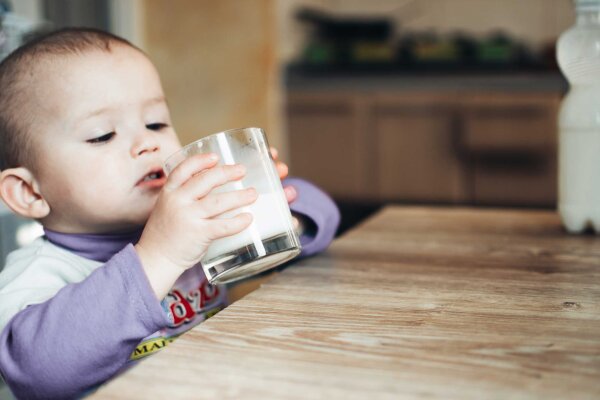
90, 330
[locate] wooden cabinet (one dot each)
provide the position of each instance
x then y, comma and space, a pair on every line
427, 147
328, 143
415, 154
510, 142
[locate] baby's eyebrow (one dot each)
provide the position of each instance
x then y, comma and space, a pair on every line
94, 113
154, 100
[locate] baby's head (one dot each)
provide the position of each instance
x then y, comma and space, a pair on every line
84, 131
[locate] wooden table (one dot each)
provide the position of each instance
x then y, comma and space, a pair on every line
414, 303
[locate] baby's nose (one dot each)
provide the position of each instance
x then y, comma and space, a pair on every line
146, 144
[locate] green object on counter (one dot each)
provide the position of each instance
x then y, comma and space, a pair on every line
496, 53
318, 54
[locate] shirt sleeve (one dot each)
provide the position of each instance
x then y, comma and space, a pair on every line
315, 204
83, 335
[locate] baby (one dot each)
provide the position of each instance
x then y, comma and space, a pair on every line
84, 132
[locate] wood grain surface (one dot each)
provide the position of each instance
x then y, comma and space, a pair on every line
415, 303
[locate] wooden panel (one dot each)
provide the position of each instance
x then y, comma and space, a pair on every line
469, 148
327, 143
218, 64
510, 123
521, 182
416, 153
511, 143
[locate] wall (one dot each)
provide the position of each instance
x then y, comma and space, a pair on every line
537, 22
126, 20
31, 9
217, 60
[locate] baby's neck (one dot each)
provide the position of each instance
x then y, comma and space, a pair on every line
98, 247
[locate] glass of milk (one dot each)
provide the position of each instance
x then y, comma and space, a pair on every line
271, 239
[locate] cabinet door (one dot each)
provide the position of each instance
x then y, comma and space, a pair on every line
416, 152
326, 142
510, 141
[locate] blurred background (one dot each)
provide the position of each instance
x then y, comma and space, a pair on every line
446, 102
439, 102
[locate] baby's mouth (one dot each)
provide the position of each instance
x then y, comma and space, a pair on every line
153, 178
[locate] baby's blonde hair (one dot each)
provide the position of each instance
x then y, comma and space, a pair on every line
21, 69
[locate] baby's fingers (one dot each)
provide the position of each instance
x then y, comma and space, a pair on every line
188, 168
282, 169
290, 193
201, 185
219, 203
218, 228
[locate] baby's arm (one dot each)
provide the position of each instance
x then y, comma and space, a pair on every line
83, 335
315, 205
87, 331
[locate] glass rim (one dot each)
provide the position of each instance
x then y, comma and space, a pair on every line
209, 137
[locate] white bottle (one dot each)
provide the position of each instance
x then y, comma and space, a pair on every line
578, 53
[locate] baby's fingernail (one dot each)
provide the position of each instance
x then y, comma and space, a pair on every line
290, 190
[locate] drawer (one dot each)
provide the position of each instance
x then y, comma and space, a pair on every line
524, 180
509, 129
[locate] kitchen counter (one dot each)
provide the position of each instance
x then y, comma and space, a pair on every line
453, 303
542, 81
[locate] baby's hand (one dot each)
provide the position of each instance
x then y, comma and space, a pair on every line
282, 169
182, 224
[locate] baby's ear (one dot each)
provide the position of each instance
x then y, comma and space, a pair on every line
20, 191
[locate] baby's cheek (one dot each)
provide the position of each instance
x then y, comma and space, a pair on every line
171, 144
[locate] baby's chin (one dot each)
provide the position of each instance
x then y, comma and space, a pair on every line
126, 219
111, 220
139, 219
129, 223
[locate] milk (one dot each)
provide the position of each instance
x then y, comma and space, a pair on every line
270, 219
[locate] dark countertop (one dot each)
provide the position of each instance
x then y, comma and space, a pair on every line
529, 81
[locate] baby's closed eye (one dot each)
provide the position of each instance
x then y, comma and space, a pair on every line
156, 126
101, 139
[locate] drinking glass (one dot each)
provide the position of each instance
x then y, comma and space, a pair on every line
271, 239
